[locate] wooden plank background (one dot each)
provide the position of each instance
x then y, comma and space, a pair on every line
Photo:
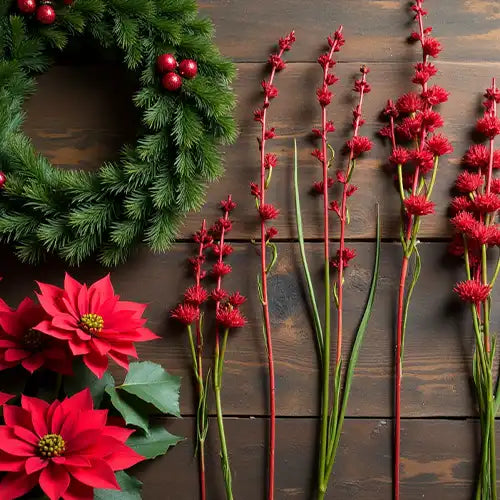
82, 114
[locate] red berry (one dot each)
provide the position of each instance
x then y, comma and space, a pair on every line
166, 63
3, 180
188, 68
26, 6
45, 14
171, 81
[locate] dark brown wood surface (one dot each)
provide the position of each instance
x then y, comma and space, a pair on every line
82, 114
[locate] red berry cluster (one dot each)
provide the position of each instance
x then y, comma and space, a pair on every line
476, 207
227, 305
44, 11
173, 72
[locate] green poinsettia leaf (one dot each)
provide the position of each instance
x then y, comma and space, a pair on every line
134, 411
151, 383
83, 378
130, 489
155, 444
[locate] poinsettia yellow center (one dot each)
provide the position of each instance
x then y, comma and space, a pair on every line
33, 340
92, 323
51, 445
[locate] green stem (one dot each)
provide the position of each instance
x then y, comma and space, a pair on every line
219, 365
433, 178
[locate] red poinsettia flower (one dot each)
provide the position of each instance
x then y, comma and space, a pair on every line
93, 321
65, 447
21, 344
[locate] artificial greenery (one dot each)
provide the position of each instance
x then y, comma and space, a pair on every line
142, 197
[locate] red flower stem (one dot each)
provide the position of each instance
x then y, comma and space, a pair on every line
325, 398
218, 368
401, 295
265, 301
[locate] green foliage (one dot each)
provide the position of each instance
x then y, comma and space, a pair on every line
130, 489
154, 444
143, 196
151, 383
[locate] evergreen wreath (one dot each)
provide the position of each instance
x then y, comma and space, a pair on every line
142, 197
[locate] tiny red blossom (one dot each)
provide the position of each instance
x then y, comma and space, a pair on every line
276, 62
439, 145
477, 156
460, 203
220, 269
270, 160
268, 212
424, 160
431, 120
399, 156
286, 42
326, 61
358, 145
271, 233
270, 91
464, 222
495, 186
409, 103
254, 189
318, 154
195, 295
347, 255
228, 205
486, 203
270, 133
225, 250
435, 95
427, 67
324, 96
472, 291
489, 126
186, 313
431, 47
236, 299
337, 40
230, 317
468, 182
351, 190
218, 294
418, 205
258, 115
331, 79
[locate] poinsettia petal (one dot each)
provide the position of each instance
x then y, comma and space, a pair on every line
90, 420
12, 355
100, 291
33, 362
26, 435
49, 298
79, 347
79, 491
46, 327
10, 324
65, 322
54, 481
81, 441
10, 463
38, 410
34, 464
137, 307
14, 415
57, 420
101, 346
96, 363
83, 301
119, 359
4, 306
5, 343
4, 397
16, 484
72, 289
119, 433
99, 475
11, 444
126, 348
75, 461
123, 457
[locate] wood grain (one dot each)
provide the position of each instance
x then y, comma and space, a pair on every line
90, 123
438, 349
438, 460
375, 29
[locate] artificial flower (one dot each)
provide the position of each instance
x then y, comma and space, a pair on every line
93, 321
472, 291
21, 344
65, 447
186, 313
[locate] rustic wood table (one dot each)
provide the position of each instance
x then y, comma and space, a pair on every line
82, 114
